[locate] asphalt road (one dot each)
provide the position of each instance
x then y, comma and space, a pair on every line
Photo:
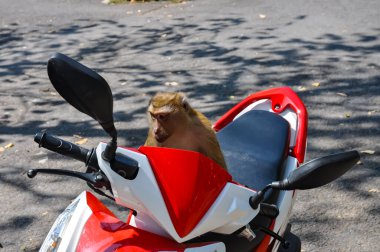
215, 51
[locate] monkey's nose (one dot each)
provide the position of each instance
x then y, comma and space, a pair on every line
155, 130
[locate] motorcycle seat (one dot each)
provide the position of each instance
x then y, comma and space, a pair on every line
255, 146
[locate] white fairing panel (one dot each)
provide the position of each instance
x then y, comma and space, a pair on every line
145, 222
291, 117
74, 229
286, 199
141, 194
263, 104
230, 211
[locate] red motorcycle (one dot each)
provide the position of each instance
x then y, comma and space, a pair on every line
181, 200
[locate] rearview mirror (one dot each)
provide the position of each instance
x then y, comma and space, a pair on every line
84, 89
318, 172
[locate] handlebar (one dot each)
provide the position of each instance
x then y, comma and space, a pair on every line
124, 166
62, 147
94, 177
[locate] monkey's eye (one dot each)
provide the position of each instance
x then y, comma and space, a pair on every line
162, 117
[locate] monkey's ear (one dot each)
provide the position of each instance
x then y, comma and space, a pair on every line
185, 104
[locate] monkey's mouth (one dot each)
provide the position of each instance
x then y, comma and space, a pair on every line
160, 138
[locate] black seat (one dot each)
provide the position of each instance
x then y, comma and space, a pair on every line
255, 146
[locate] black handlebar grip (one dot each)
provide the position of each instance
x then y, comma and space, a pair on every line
60, 146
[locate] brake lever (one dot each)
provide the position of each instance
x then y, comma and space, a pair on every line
97, 179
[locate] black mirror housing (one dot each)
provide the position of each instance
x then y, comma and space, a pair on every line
84, 89
318, 172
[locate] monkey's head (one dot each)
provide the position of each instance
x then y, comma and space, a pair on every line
167, 112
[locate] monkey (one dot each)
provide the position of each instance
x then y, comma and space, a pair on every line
175, 124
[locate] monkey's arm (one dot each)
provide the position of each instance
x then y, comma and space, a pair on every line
209, 146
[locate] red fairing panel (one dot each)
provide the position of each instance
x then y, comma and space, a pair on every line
284, 97
189, 183
104, 232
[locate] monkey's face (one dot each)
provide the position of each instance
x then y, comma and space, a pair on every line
164, 125
168, 113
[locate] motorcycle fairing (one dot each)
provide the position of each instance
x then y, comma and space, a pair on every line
229, 211
189, 182
103, 231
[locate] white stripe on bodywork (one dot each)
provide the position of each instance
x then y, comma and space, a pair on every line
77, 222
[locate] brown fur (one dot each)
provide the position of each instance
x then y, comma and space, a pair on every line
175, 124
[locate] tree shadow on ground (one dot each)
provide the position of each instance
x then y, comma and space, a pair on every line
212, 68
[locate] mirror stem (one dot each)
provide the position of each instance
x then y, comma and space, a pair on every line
254, 201
280, 185
109, 152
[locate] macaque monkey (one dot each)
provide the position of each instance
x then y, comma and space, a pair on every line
175, 124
